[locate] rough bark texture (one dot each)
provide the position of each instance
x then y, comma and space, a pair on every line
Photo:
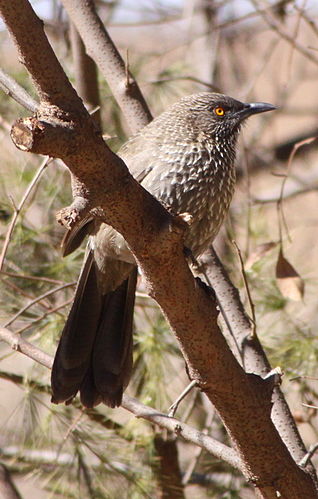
86, 75
251, 354
109, 192
103, 51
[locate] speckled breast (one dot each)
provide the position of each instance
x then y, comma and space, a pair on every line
198, 182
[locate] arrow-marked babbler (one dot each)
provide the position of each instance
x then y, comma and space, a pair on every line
185, 158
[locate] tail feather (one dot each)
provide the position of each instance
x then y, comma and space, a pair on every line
88, 393
73, 354
112, 353
94, 355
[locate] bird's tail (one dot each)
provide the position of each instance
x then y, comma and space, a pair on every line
94, 355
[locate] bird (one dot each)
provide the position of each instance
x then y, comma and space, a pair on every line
186, 159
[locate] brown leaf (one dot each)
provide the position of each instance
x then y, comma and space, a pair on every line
260, 251
289, 282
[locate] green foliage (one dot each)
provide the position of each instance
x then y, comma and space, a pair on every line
154, 361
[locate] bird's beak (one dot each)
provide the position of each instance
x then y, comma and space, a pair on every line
255, 108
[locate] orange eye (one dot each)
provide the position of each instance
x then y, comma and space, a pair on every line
219, 111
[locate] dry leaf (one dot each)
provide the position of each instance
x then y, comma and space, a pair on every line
289, 282
259, 253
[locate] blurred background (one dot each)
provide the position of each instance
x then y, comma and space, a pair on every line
254, 51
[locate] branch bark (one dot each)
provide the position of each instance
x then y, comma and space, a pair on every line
18, 93
103, 51
251, 354
105, 189
173, 425
86, 76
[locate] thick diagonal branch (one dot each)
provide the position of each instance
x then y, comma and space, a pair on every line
103, 51
242, 400
252, 354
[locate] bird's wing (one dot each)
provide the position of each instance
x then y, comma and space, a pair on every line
135, 153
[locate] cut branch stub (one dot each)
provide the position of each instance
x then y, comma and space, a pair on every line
23, 133
33, 135
101, 182
70, 215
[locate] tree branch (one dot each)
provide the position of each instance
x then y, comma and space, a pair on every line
166, 468
18, 344
253, 356
219, 450
276, 26
18, 209
52, 84
36, 300
21, 96
107, 190
86, 75
102, 50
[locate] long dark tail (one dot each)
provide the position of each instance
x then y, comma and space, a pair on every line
94, 355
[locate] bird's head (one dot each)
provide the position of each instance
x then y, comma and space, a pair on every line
219, 116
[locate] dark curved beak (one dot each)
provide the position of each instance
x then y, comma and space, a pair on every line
255, 108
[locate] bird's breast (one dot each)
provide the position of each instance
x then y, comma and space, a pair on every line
200, 183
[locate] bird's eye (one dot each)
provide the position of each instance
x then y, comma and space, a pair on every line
219, 111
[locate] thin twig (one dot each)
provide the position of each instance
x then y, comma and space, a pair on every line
307, 19
247, 289
260, 68
292, 47
140, 410
310, 406
303, 376
275, 26
70, 429
290, 160
181, 429
18, 93
192, 404
21, 292
312, 450
32, 277
44, 315
211, 86
38, 299
7, 487
51, 457
294, 193
44, 304
19, 207
281, 215
173, 408
86, 473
